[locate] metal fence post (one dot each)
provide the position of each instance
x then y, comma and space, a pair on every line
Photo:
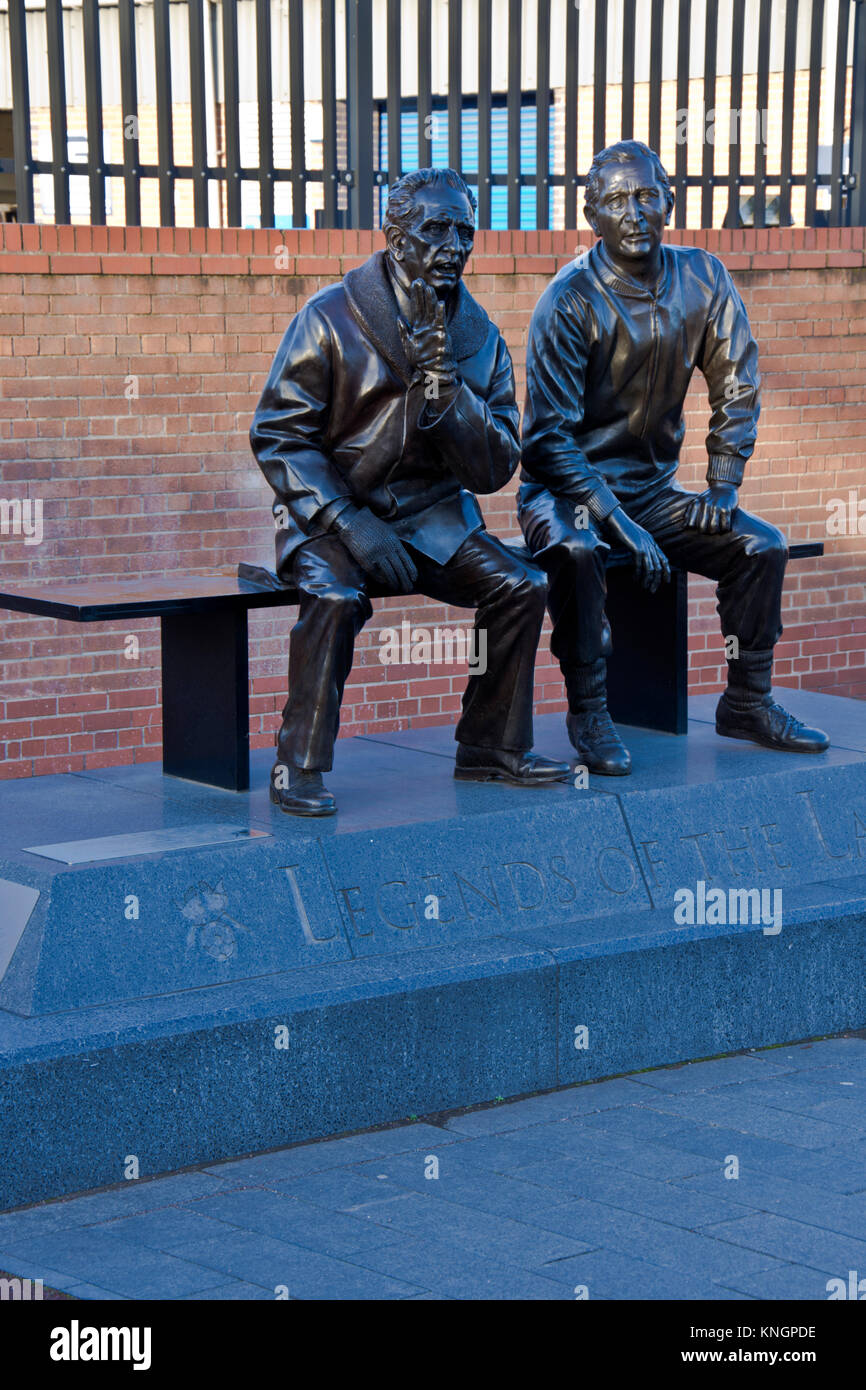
360, 113
857, 164
21, 138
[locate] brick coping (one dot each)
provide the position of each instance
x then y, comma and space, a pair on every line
84, 250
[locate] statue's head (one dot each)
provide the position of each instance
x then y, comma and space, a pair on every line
628, 200
429, 227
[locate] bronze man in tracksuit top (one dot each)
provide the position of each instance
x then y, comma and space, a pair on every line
613, 343
389, 404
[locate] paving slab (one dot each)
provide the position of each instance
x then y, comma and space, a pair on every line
567, 1191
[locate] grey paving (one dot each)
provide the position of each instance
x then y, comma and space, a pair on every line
622, 1189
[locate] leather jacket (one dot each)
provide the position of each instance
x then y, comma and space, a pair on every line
344, 417
609, 363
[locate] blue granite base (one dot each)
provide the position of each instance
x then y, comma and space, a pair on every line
435, 945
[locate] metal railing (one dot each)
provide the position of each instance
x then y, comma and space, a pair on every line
517, 133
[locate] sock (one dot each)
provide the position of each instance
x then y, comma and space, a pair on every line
586, 684
750, 680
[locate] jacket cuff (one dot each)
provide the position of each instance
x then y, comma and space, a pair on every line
601, 503
329, 514
726, 468
429, 417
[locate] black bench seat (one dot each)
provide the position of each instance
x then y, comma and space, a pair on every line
205, 651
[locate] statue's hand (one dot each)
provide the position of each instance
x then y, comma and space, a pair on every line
650, 561
425, 338
711, 511
377, 548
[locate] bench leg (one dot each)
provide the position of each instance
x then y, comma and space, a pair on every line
206, 699
647, 674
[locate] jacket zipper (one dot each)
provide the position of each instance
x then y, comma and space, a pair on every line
653, 369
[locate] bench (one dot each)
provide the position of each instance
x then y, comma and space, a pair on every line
205, 652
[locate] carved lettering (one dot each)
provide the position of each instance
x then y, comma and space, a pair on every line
772, 845
616, 869
401, 926
652, 863
310, 937
539, 877
702, 835
354, 912
813, 815
492, 900
557, 873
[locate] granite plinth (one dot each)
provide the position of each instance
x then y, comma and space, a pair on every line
436, 944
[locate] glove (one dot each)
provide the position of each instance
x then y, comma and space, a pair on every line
376, 547
425, 338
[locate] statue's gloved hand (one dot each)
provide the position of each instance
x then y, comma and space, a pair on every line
650, 562
376, 547
425, 338
711, 511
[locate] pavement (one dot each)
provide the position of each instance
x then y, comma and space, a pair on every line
741, 1177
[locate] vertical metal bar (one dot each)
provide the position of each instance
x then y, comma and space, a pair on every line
788, 88
93, 104
732, 216
164, 125
599, 78
395, 120
230, 114
329, 114
21, 136
425, 99
57, 103
515, 16
485, 108
655, 83
836, 176
296, 99
361, 113
762, 97
708, 158
197, 113
129, 104
682, 152
455, 84
857, 163
628, 45
569, 169
542, 117
265, 100
816, 44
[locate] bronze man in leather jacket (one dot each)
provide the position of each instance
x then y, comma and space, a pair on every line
390, 402
613, 343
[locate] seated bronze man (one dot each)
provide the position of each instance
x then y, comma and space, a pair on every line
390, 402
613, 343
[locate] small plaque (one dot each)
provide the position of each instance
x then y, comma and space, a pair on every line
145, 842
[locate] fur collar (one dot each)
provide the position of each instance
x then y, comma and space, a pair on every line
372, 301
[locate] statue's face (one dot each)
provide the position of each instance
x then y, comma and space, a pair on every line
631, 212
437, 246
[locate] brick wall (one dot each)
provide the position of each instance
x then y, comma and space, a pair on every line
131, 361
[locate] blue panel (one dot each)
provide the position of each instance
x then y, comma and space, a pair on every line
437, 156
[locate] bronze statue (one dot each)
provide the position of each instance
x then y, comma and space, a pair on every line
390, 402
613, 343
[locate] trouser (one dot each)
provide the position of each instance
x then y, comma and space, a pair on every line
748, 563
508, 594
